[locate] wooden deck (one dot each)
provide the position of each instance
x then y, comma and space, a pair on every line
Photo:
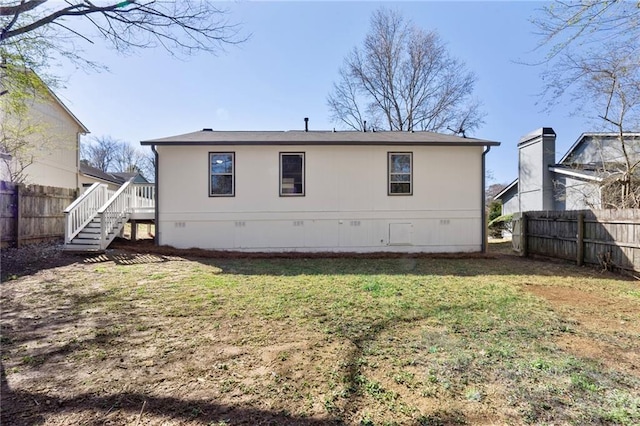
99, 215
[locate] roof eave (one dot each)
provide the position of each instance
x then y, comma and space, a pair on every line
506, 189
329, 143
574, 173
66, 109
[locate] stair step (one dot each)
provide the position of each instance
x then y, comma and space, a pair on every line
90, 232
83, 240
82, 248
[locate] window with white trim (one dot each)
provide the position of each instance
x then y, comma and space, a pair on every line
291, 174
400, 166
222, 174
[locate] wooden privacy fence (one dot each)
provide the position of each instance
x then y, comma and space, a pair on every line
610, 238
32, 213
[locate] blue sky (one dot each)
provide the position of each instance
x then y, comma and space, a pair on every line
286, 69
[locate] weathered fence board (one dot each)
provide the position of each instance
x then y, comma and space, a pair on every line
610, 238
32, 213
8, 213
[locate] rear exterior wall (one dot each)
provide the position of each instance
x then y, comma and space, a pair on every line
346, 207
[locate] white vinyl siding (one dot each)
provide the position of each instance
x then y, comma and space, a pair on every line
345, 208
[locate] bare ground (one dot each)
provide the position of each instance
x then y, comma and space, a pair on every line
211, 374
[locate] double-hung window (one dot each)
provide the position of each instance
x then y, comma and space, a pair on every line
291, 174
400, 173
222, 171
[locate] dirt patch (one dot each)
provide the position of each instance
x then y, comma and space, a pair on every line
611, 355
595, 319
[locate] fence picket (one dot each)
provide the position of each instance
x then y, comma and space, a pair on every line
32, 213
610, 238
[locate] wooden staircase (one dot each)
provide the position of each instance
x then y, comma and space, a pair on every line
89, 239
99, 215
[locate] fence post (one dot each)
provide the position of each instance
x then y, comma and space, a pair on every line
580, 240
523, 234
19, 188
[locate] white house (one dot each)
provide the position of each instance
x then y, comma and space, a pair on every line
572, 183
51, 133
320, 191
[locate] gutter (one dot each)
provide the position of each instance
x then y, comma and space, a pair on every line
157, 194
483, 212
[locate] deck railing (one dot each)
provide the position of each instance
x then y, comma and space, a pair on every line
111, 214
110, 206
144, 197
83, 209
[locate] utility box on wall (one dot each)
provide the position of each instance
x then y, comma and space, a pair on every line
400, 234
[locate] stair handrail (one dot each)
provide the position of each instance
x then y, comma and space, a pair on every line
118, 206
80, 212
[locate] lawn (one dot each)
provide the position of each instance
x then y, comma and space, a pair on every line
164, 339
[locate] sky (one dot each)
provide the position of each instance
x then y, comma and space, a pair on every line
286, 69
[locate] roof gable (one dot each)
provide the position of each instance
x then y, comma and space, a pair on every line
597, 148
513, 186
51, 96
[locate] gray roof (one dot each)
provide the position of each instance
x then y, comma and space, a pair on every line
125, 176
555, 168
506, 189
608, 142
99, 174
295, 137
117, 178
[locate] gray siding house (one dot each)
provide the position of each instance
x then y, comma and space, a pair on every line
572, 183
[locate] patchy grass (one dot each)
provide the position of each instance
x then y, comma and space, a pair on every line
169, 340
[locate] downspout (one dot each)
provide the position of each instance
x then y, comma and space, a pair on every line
78, 164
484, 203
157, 196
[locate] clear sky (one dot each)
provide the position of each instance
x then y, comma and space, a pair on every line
286, 69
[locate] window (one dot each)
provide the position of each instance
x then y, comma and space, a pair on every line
221, 174
400, 173
291, 174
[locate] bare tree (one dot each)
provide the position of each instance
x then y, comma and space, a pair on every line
100, 152
403, 78
113, 155
593, 59
185, 25
564, 26
148, 164
127, 158
35, 33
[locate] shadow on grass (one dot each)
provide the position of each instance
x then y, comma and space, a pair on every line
34, 407
500, 260
31, 408
20, 407
17, 262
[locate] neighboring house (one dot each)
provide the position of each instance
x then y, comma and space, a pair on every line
574, 182
90, 175
321, 191
51, 135
4, 171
